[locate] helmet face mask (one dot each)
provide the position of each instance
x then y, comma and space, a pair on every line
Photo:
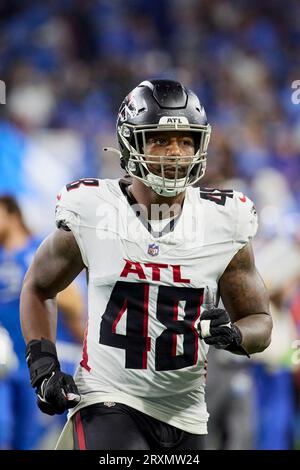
162, 106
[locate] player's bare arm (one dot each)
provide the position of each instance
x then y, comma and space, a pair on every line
245, 298
56, 264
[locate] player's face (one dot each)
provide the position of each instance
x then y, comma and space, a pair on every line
177, 149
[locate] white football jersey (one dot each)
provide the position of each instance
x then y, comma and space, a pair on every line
146, 290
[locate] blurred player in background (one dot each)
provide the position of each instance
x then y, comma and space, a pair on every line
230, 403
157, 252
8, 363
295, 308
274, 370
21, 423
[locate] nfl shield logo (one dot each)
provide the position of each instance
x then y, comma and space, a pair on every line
153, 249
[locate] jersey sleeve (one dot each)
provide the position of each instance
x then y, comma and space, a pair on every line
69, 215
246, 222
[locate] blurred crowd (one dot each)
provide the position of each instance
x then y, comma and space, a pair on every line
67, 65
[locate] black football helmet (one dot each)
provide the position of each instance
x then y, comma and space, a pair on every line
156, 106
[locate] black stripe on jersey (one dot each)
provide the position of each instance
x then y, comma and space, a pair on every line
85, 181
218, 196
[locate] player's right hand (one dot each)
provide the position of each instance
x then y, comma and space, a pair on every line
56, 391
216, 328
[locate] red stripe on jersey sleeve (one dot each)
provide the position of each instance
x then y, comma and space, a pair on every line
85, 356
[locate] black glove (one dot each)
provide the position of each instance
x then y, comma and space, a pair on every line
216, 329
56, 391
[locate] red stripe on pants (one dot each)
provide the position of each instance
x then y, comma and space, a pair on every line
80, 432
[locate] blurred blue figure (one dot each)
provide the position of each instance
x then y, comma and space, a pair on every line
8, 363
22, 425
278, 261
275, 407
13, 144
19, 416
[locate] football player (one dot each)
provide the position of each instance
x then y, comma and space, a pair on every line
159, 253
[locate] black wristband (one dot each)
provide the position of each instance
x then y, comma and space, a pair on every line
236, 344
41, 357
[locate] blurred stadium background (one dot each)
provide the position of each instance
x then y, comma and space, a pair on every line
67, 64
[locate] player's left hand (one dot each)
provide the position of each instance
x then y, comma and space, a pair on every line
216, 329
57, 393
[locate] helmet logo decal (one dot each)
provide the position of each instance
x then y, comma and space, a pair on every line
173, 120
129, 109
